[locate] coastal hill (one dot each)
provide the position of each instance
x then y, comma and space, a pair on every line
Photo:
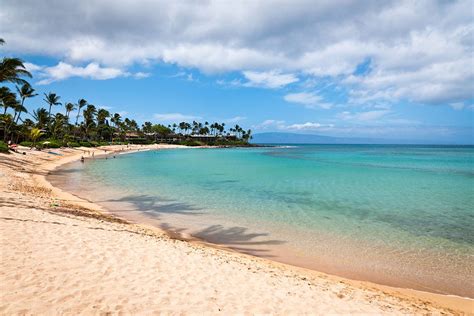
295, 138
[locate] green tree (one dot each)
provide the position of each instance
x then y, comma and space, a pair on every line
41, 117
51, 99
80, 104
7, 98
12, 69
69, 108
35, 134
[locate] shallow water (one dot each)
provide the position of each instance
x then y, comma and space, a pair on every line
398, 215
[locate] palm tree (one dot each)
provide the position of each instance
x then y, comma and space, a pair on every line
102, 116
12, 69
69, 108
25, 92
89, 113
116, 119
2, 41
80, 104
41, 117
35, 133
6, 98
18, 110
57, 125
51, 99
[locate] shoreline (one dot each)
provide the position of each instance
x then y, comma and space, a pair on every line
455, 303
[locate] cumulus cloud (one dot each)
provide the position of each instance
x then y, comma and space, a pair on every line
64, 71
309, 100
420, 51
269, 79
175, 117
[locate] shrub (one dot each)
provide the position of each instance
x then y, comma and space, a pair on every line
3, 147
51, 143
73, 144
141, 141
85, 144
26, 144
190, 143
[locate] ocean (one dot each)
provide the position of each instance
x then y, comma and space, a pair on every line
400, 215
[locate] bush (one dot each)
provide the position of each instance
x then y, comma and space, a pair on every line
26, 144
51, 143
3, 147
190, 143
85, 144
73, 144
140, 141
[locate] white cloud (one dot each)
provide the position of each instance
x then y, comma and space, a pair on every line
32, 67
418, 50
282, 125
457, 105
310, 100
268, 79
165, 117
235, 119
64, 71
308, 126
363, 116
141, 75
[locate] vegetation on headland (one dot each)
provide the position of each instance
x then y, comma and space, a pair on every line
92, 126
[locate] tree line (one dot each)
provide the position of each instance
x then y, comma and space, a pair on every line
82, 123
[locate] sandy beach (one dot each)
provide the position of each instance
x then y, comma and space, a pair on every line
63, 255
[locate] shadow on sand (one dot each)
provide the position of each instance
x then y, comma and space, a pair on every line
234, 237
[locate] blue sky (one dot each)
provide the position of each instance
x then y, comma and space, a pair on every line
397, 70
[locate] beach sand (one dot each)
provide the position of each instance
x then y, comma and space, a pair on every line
63, 255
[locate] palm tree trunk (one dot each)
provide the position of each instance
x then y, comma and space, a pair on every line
77, 116
49, 118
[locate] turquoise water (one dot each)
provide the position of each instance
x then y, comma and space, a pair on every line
399, 215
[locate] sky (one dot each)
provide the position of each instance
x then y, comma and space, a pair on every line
382, 69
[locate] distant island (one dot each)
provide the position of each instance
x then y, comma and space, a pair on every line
295, 138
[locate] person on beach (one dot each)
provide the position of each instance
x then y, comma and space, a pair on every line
82, 159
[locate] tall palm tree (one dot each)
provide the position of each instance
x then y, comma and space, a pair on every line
80, 104
102, 115
26, 92
52, 99
69, 108
89, 113
116, 119
18, 110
